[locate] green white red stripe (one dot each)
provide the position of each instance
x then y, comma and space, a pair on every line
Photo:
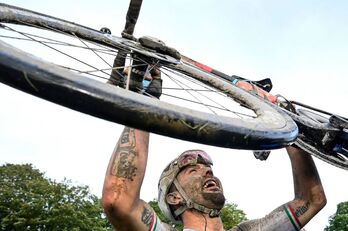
293, 218
153, 224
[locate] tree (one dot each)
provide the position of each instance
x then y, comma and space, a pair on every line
29, 201
156, 208
339, 221
230, 215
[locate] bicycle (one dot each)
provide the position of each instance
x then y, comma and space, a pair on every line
265, 122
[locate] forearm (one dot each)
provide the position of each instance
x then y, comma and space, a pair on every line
126, 169
309, 192
132, 16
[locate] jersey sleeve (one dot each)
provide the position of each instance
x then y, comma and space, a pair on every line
280, 219
158, 225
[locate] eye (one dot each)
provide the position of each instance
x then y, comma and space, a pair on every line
192, 170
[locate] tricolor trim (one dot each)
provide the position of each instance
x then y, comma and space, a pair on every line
154, 221
293, 218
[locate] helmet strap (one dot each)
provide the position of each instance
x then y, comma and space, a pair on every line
189, 204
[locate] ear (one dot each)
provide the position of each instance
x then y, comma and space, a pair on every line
174, 198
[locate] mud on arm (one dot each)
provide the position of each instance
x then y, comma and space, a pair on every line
123, 180
309, 192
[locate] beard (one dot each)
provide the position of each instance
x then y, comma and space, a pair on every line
216, 200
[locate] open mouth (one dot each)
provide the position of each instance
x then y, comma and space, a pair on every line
211, 185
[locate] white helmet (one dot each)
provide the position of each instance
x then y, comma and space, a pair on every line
168, 177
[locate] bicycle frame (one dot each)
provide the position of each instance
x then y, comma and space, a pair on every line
335, 137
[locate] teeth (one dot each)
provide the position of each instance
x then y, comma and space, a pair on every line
210, 183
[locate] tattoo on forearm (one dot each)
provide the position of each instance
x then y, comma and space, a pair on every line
302, 209
125, 167
146, 216
125, 136
123, 161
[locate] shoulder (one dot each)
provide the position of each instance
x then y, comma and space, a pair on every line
158, 225
278, 219
234, 229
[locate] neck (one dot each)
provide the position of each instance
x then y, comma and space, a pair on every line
198, 221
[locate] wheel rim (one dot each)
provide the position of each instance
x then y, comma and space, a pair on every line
104, 56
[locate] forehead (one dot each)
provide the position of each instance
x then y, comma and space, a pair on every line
196, 166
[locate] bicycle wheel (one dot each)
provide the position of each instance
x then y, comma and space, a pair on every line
335, 159
322, 139
259, 125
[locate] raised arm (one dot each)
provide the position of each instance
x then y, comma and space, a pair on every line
124, 176
309, 198
309, 193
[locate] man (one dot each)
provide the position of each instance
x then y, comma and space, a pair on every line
190, 193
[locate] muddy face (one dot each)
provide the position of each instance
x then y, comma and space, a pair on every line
201, 186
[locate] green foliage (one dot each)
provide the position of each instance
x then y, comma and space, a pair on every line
29, 201
230, 215
339, 221
156, 208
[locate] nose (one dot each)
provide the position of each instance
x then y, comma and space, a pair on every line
208, 171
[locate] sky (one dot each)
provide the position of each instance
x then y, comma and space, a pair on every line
300, 45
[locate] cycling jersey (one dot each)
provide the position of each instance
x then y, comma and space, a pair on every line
280, 219
158, 225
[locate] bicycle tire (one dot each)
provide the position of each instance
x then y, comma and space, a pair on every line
315, 127
322, 154
271, 129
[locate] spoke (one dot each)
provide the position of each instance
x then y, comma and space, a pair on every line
93, 51
102, 49
83, 72
180, 84
57, 43
221, 107
107, 69
184, 76
190, 89
195, 102
194, 89
207, 89
61, 52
